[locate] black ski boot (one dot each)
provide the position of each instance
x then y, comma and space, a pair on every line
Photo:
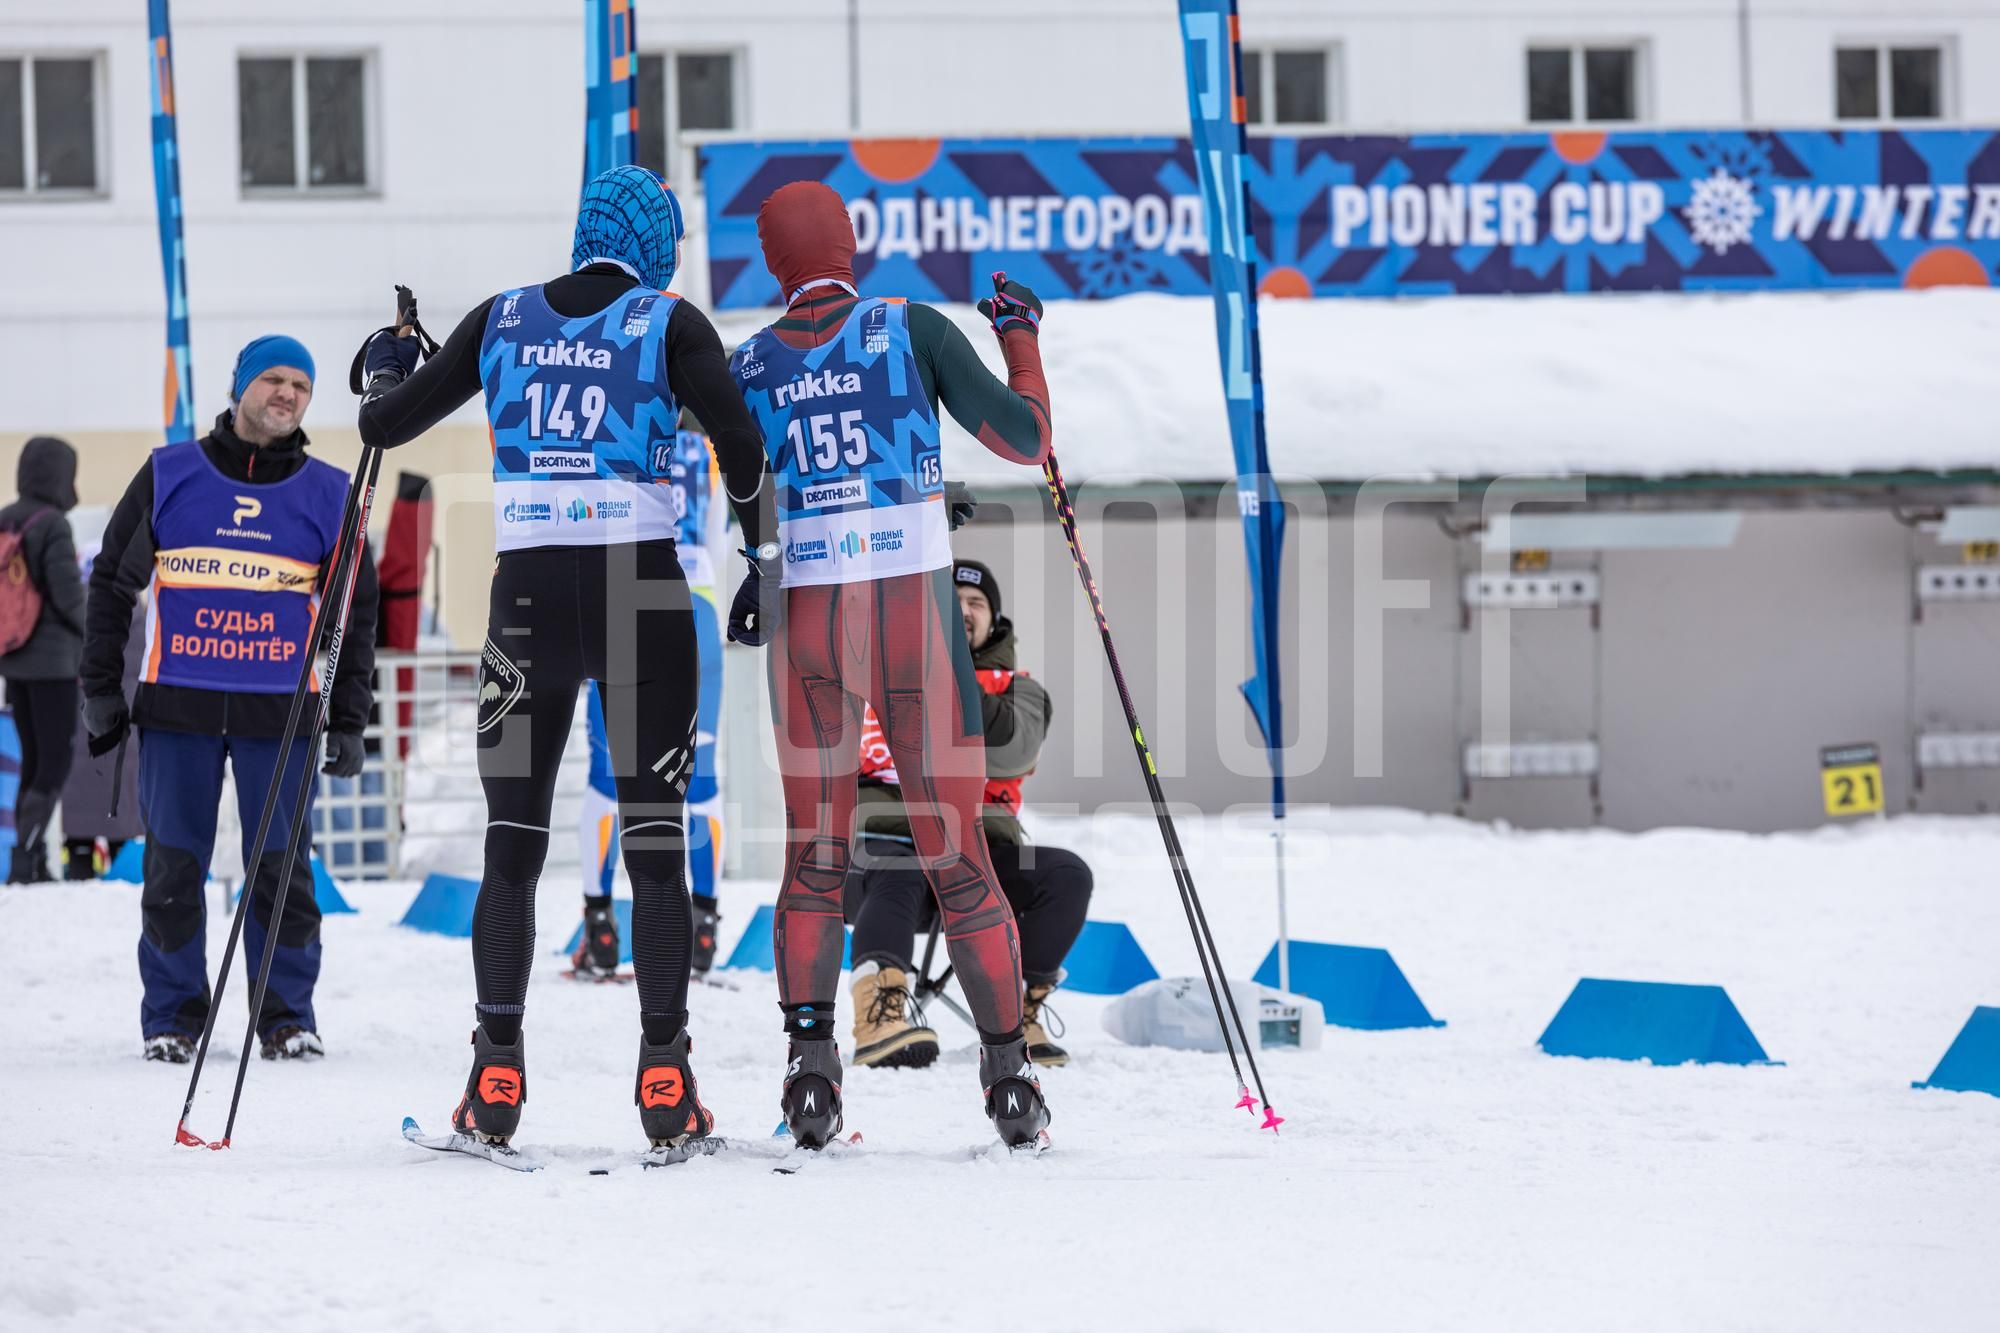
291, 1042
670, 1108
706, 922
172, 1048
495, 1090
597, 953
811, 1099
1013, 1094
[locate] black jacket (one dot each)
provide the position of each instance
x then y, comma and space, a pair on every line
47, 482
125, 566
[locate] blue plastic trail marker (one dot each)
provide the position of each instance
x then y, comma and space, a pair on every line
443, 906
1356, 987
1973, 1062
1660, 1021
1106, 960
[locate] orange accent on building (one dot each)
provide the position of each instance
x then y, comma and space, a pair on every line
1946, 266
894, 160
1285, 281
1578, 147
661, 1087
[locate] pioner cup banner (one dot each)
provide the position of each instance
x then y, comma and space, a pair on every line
1424, 215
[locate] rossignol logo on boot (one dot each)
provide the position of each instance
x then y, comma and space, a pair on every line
567, 354
821, 384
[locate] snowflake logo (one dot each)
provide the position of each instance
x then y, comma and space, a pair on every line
1722, 211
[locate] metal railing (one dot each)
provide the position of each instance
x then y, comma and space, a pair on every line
418, 805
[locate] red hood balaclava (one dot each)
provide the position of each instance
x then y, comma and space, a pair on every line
806, 235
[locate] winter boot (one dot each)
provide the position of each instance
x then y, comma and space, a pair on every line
811, 1098
597, 953
670, 1108
174, 1048
1040, 1049
883, 1032
291, 1042
1013, 1093
495, 1090
80, 858
706, 921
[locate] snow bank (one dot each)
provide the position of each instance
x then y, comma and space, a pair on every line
1448, 1178
1649, 385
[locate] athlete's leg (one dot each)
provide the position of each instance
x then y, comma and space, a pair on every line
648, 680
597, 819
530, 670
704, 794
927, 697
818, 732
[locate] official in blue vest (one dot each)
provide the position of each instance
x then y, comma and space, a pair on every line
234, 535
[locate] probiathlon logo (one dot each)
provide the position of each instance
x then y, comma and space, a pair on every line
500, 686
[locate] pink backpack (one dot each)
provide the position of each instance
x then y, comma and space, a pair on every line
20, 599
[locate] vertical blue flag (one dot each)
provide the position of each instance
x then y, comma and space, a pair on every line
610, 76
178, 398
1216, 111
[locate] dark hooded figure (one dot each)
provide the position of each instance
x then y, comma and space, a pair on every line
41, 674
584, 377
848, 391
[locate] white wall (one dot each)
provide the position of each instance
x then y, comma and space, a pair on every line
479, 136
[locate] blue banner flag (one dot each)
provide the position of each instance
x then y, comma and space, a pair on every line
1574, 210
178, 396
1215, 108
611, 74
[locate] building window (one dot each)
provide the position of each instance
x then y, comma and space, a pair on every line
303, 123
1912, 75
1287, 86
49, 128
684, 92
1583, 83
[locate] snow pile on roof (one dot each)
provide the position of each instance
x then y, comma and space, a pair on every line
1648, 385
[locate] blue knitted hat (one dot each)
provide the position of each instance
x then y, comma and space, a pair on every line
260, 354
629, 215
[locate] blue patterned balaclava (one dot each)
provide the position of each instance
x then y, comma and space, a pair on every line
629, 215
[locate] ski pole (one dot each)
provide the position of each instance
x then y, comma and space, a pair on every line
373, 463
1204, 939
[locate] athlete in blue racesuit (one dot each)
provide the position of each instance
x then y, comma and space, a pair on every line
584, 378
598, 953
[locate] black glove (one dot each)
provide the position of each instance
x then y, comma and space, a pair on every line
960, 504
343, 754
753, 614
1012, 306
105, 720
383, 353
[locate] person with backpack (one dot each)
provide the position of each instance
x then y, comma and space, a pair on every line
41, 640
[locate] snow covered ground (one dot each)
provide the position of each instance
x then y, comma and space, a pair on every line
1651, 384
1447, 1178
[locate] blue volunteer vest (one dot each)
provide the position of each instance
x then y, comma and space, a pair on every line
234, 570
583, 423
694, 487
853, 445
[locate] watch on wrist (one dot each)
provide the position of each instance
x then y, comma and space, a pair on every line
765, 553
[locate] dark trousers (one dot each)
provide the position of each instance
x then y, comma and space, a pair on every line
1049, 889
45, 715
560, 615
180, 785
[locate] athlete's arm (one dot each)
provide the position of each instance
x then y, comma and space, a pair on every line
1011, 419
1017, 722
123, 566
698, 374
440, 386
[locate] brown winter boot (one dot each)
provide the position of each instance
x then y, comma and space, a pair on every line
1040, 1049
884, 1036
